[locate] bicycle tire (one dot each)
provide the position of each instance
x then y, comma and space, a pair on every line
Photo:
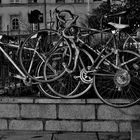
43, 86
118, 87
67, 86
35, 48
53, 67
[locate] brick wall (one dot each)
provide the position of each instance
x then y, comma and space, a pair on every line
73, 115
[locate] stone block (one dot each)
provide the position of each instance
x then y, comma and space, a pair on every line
100, 126
60, 101
53, 125
38, 111
110, 113
25, 125
3, 124
9, 111
125, 127
76, 112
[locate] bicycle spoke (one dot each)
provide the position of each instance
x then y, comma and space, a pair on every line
127, 62
119, 87
36, 48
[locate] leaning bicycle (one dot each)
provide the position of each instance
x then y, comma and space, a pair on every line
112, 70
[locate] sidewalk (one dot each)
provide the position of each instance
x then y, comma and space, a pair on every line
63, 136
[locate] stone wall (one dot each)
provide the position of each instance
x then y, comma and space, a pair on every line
57, 115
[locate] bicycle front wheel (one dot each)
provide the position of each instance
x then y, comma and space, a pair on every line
118, 86
70, 85
36, 48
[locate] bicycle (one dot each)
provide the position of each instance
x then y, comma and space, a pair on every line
29, 75
52, 40
112, 70
57, 71
34, 51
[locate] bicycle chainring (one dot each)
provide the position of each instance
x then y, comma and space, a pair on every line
85, 78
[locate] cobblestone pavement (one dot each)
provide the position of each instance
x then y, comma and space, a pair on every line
64, 136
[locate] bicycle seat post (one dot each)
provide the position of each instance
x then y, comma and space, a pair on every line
120, 19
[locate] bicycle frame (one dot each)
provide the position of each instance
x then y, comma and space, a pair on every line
136, 43
92, 51
22, 76
11, 61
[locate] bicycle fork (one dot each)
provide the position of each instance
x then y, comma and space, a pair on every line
75, 56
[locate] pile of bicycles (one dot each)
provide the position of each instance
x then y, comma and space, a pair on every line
66, 63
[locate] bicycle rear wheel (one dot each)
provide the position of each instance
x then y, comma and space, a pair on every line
70, 85
53, 67
36, 48
43, 86
118, 86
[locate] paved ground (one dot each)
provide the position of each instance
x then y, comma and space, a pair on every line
64, 136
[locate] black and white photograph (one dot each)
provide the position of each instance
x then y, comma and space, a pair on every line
69, 69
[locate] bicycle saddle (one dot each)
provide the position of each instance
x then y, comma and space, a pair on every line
118, 26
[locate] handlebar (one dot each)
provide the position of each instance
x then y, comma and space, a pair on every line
58, 12
59, 15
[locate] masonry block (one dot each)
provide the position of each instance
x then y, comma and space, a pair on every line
54, 125
60, 101
100, 126
109, 113
9, 111
75, 136
12, 100
82, 115
25, 125
125, 127
94, 101
136, 125
38, 111
76, 112
3, 124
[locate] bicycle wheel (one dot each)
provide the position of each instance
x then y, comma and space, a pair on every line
43, 86
36, 48
118, 86
54, 64
70, 85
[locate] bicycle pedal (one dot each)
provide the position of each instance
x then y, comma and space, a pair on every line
56, 58
76, 77
106, 63
19, 77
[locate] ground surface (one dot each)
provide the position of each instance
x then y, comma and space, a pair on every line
64, 136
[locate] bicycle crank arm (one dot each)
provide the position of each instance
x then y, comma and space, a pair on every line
26, 80
19, 77
86, 76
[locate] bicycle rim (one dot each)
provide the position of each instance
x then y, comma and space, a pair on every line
43, 86
36, 48
70, 84
54, 68
118, 87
